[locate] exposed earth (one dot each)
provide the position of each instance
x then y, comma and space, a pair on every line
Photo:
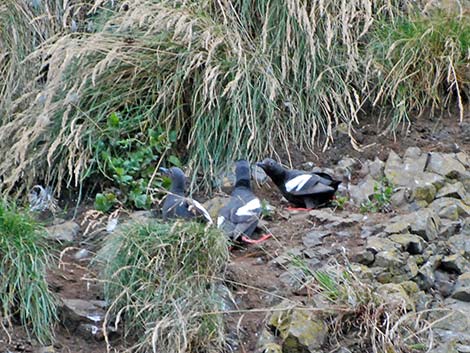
389, 246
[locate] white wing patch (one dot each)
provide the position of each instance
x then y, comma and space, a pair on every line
204, 211
220, 221
249, 209
298, 182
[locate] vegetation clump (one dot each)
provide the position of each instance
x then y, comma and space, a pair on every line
161, 281
24, 257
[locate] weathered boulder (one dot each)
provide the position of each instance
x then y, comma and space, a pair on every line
455, 263
214, 205
84, 317
444, 164
452, 323
363, 191
424, 223
334, 220
455, 190
460, 243
443, 283
411, 243
450, 208
377, 244
462, 288
258, 174
300, 330
376, 168
314, 238
394, 294
448, 228
66, 231
390, 259
364, 257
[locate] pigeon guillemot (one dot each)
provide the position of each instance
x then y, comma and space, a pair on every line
176, 205
303, 189
239, 217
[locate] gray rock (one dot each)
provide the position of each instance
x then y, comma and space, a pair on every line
409, 242
450, 208
364, 257
376, 244
455, 263
293, 278
142, 216
462, 288
448, 228
426, 278
460, 243
66, 231
394, 294
453, 323
398, 226
258, 174
363, 191
300, 330
463, 158
81, 254
401, 198
333, 220
424, 223
314, 238
214, 205
348, 162
390, 259
376, 168
444, 164
444, 284
455, 190
77, 311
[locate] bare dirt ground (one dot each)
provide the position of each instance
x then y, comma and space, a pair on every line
253, 276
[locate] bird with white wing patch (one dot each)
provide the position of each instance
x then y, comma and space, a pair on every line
239, 218
304, 189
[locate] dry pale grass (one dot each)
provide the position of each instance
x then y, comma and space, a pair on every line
234, 78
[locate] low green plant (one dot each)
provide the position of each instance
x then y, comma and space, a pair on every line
160, 281
127, 155
381, 198
24, 257
340, 202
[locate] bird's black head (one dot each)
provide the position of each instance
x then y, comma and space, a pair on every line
178, 179
242, 173
273, 169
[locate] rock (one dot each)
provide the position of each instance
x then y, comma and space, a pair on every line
293, 278
460, 243
401, 198
455, 263
425, 192
214, 205
443, 283
66, 231
448, 228
272, 348
444, 164
463, 158
455, 190
424, 223
142, 216
300, 330
397, 227
364, 257
426, 277
333, 220
376, 244
390, 259
411, 267
75, 312
394, 294
376, 168
462, 288
314, 238
81, 254
348, 163
363, 191
452, 324
258, 174
409, 242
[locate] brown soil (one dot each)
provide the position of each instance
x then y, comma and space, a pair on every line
253, 276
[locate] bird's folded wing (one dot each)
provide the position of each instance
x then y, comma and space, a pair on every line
199, 210
308, 186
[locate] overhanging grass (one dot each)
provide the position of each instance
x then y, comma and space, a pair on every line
24, 256
160, 283
424, 61
234, 79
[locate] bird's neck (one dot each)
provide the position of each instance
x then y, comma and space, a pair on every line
177, 188
243, 182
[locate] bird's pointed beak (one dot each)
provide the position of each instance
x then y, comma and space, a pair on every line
259, 164
164, 171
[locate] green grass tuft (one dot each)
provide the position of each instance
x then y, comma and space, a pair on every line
160, 281
24, 257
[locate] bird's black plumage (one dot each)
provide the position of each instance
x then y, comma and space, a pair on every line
240, 216
176, 205
303, 189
